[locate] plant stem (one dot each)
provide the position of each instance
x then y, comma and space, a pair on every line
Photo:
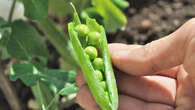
59, 40
44, 96
11, 11
9, 93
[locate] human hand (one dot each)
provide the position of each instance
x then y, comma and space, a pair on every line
157, 76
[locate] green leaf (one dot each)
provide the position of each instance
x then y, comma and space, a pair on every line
4, 33
25, 42
30, 76
60, 41
62, 7
4, 54
113, 18
26, 72
2, 21
69, 89
36, 9
58, 80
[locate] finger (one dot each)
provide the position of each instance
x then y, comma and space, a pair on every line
85, 99
156, 56
189, 58
172, 73
149, 88
185, 91
80, 80
129, 103
182, 74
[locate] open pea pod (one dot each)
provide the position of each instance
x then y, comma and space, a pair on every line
91, 48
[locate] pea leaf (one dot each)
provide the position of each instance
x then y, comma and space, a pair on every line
63, 8
113, 18
69, 89
4, 33
25, 42
36, 9
107, 14
4, 36
2, 21
4, 54
58, 79
26, 72
61, 82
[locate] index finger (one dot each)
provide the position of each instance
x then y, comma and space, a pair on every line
158, 55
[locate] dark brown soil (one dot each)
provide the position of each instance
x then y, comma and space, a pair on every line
151, 19
147, 20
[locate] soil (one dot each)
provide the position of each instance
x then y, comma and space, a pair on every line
148, 20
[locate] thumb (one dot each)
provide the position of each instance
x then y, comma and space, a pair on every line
158, 55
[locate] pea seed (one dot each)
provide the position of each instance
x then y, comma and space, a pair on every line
98, 63
94, 37
82, 29
106, 95
99, 74
91, 52
103, 84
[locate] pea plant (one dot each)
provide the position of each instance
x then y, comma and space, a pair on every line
23, 43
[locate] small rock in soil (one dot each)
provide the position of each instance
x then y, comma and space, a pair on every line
145, 24
177, 5
153, 16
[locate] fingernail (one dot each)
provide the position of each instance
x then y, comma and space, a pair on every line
118, 50
119, 53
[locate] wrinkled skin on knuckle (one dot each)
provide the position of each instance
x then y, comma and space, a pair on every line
189, 60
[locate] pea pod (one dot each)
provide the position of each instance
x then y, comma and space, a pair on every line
103, 88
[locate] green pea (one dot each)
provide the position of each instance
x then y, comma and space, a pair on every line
94, 37
103, 84
98, 63
82, 29
99, 74
91, 52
